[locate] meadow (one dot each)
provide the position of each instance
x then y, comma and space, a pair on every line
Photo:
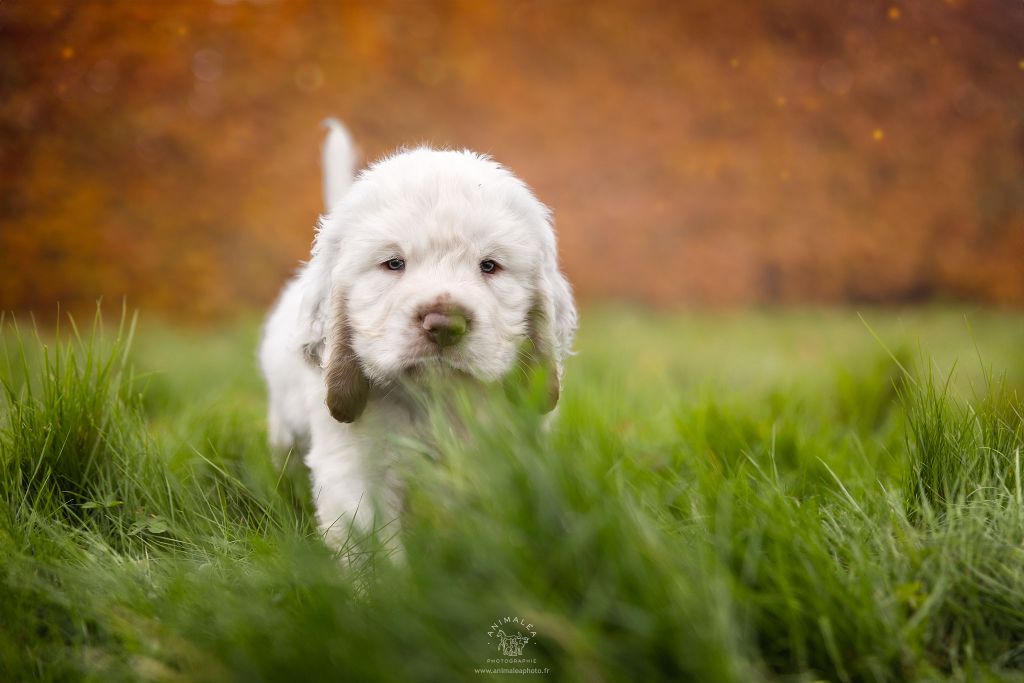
800, 495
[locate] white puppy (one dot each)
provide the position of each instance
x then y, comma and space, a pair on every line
429, 259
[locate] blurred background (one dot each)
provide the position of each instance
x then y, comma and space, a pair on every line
700, 154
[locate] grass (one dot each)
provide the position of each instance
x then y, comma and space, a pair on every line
727, 497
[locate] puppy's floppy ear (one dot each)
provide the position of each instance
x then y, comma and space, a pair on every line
323, 333
552, 325
347, 387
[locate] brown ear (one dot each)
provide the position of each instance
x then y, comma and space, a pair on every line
541, 356
347, 386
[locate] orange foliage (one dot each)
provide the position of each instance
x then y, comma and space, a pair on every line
704, 153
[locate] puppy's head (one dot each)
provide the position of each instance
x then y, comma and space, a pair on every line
437, 260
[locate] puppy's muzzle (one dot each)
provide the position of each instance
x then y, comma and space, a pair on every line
444, 324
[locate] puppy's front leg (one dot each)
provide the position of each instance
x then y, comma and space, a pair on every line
348, 512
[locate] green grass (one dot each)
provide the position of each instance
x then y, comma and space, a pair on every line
724, 497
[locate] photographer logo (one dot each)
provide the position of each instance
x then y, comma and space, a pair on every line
511, 635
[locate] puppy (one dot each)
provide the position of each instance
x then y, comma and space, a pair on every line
431, 260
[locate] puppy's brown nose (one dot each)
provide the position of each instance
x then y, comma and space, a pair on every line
445, 326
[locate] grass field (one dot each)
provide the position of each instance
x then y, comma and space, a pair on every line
726, 497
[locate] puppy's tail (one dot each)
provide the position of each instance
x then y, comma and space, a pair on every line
338, 158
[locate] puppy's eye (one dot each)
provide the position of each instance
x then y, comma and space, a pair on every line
394, 264
488, 267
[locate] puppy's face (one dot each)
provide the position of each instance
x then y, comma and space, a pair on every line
439, 266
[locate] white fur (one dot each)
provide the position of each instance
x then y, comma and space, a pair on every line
443, 212
339, 162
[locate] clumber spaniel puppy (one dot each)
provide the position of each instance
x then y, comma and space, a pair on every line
430, 260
